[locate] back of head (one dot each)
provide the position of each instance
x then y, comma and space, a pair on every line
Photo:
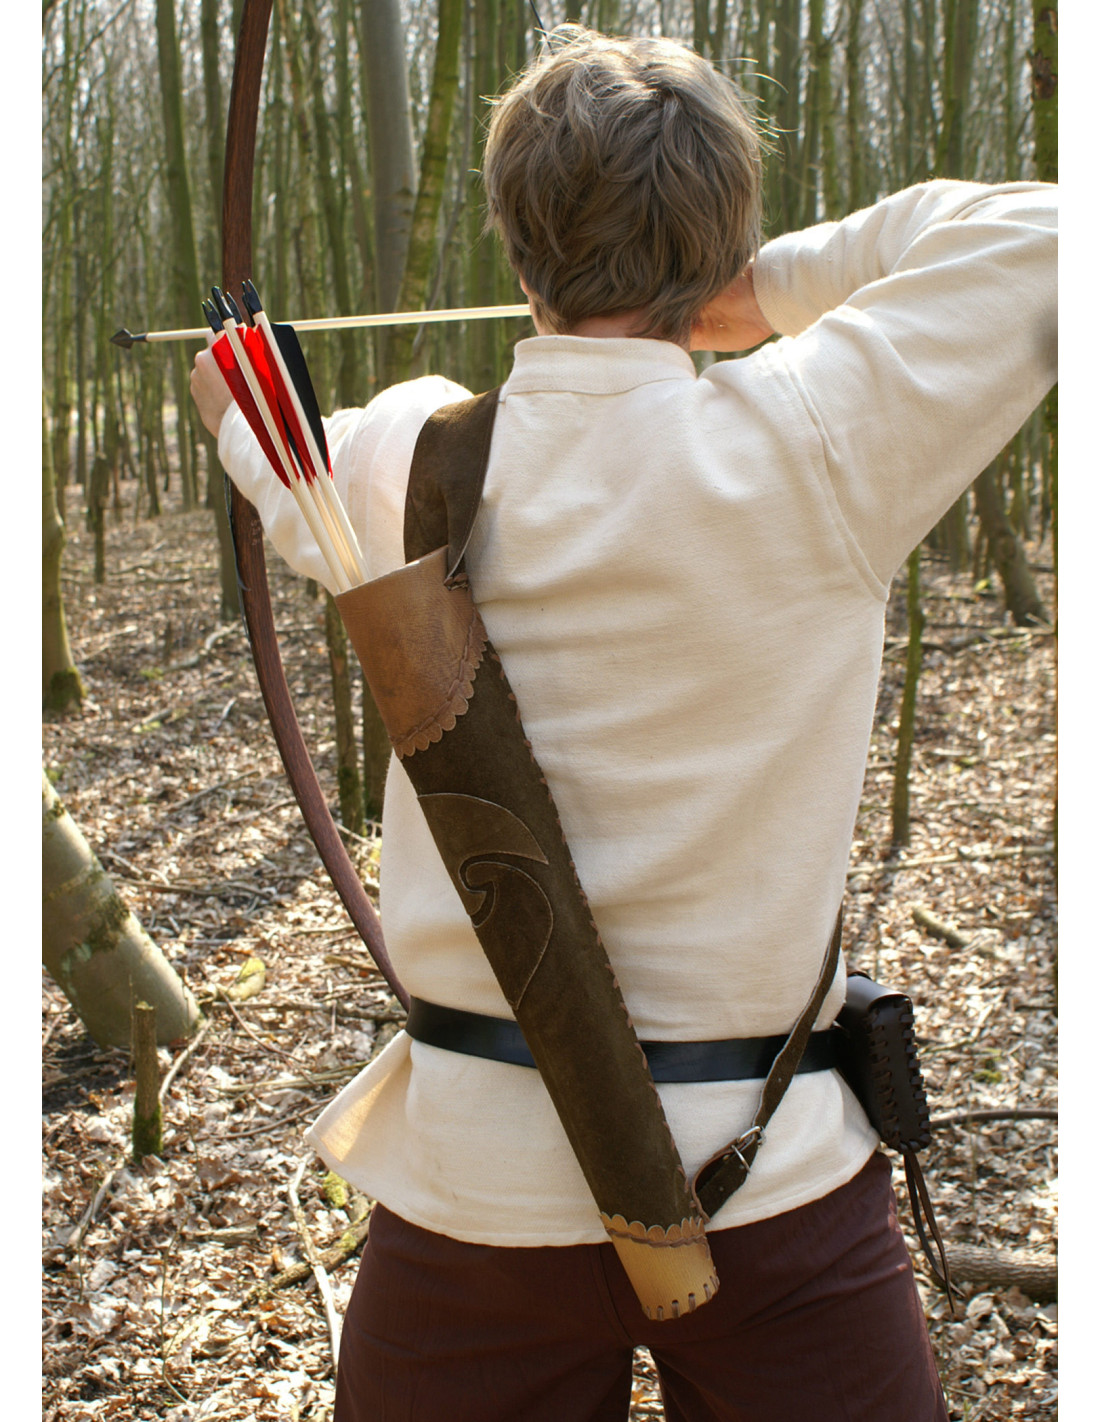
623, 175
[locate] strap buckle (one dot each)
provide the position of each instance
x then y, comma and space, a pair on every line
754, 1137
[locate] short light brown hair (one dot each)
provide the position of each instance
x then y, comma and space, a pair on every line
621, 175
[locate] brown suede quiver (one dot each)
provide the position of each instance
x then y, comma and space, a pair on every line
453, 721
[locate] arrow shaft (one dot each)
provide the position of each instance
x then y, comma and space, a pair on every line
346, 323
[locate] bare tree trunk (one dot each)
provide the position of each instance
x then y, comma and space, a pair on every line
93, 946
185, 276
61, 684
1044, 98
854, 115
349, 783
310, 246
423, 234
483, 78
392, 157
907, 718
1021, 595
352, 157
214, 118
348, 382
99, 489
1044, 88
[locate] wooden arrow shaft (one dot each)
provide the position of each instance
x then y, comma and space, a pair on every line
345, 323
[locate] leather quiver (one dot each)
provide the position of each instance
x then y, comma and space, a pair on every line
454, 723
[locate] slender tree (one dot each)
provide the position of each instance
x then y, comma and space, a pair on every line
62, 688
213, 115
348, 780
854, 115
907, 717
423, 248
1021, 594
392, 155
349, 377
1044, 99
184, 270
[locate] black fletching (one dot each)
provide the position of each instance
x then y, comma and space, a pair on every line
287, 340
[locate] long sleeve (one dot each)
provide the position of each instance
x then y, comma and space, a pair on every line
244, 461
923, 333
370, 450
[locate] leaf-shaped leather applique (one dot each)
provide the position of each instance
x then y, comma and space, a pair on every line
480, 843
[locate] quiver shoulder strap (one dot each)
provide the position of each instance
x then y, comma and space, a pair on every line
454, 723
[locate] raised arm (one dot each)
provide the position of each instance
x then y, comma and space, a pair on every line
924, 333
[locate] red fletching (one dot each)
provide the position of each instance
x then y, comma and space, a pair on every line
257, 338
256, 351
227, 364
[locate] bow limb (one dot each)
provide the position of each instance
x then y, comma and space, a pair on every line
240, 144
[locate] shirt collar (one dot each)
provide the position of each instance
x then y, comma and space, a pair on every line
594, 365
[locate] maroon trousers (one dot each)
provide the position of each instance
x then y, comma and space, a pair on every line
817, 1317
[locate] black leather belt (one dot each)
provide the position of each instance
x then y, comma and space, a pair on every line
500, 1040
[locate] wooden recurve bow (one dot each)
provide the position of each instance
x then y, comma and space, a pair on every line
240, 144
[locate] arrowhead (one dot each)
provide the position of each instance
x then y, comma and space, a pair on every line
124, 339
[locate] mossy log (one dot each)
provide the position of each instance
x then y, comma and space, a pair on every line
93, 946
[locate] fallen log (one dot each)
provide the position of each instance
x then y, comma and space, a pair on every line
1035, 1275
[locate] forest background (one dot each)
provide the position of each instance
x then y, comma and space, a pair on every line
366, 199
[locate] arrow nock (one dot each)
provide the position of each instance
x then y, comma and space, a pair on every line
220, 305
251, 297
210, 311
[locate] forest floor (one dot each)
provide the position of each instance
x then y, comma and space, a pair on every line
154, 1305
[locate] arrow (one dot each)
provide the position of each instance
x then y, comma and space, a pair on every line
298, 404
264, 405
126, 339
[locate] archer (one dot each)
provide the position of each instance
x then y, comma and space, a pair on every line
684, 576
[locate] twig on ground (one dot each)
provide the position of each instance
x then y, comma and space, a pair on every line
331, 1258
958, 1118
267, 1046
271, 1125
937, 928
133, 874
208, 646
316, 1264
295, 1083
959, 856
55, 1021
88, 1217
184, 1056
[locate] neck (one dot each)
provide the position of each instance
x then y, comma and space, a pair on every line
622, 323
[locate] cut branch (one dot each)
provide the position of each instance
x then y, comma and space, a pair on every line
1035, 1275
959, 1118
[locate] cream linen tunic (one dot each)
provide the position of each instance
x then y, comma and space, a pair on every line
685, 577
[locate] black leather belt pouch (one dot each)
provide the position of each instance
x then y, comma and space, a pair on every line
878, 1059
